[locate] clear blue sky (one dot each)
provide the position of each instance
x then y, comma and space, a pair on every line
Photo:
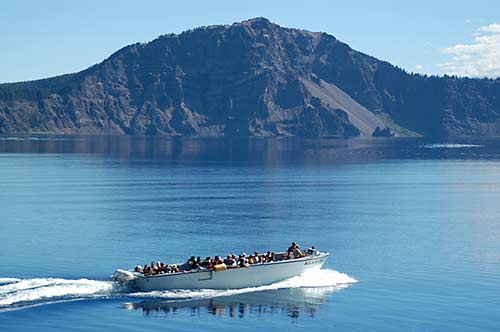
46, 38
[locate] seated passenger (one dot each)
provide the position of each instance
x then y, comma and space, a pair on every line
232, 262
139, 269
243, 262
293, 251
206, 262
212, 263
191, 260
311, 251
190, 264
257, 258
228, 260
297, 253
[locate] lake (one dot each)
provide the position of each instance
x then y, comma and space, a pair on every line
413, 227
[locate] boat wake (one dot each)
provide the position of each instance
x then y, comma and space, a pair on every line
24, 293
331, 279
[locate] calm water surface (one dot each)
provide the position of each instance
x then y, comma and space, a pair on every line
413, 226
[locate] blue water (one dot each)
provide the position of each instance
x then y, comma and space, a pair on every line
413, 228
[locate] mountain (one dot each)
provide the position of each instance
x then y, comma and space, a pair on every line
252, 78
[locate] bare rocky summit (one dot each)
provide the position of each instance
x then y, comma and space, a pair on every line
252, 78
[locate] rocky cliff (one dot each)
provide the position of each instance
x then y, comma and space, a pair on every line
252, 78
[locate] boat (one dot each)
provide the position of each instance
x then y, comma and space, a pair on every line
223, 278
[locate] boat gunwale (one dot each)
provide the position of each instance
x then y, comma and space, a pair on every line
287, 261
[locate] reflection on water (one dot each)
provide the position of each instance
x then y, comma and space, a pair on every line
180, 149
254, 150
294, 303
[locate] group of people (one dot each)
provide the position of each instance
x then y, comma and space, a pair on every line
157, 268
218, 263
231, 261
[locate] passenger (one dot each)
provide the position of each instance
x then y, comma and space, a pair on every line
175, 268
139, 269
257, 258
161, 267
232, 262
297, 253
293, 251
206, 262
195, 266
212, 263
243, 262
251, 259
191, 263
311, 251
218, 260
153, 267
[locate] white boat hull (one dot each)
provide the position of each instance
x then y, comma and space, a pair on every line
252, 276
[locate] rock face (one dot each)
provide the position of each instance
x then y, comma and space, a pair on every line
252, 78
386, 132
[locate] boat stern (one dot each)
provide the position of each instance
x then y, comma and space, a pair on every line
124, 277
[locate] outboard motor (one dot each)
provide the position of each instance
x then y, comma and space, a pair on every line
123, 277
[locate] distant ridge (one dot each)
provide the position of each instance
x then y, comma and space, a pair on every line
252, 78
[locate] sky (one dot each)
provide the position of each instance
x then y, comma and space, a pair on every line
41, 39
